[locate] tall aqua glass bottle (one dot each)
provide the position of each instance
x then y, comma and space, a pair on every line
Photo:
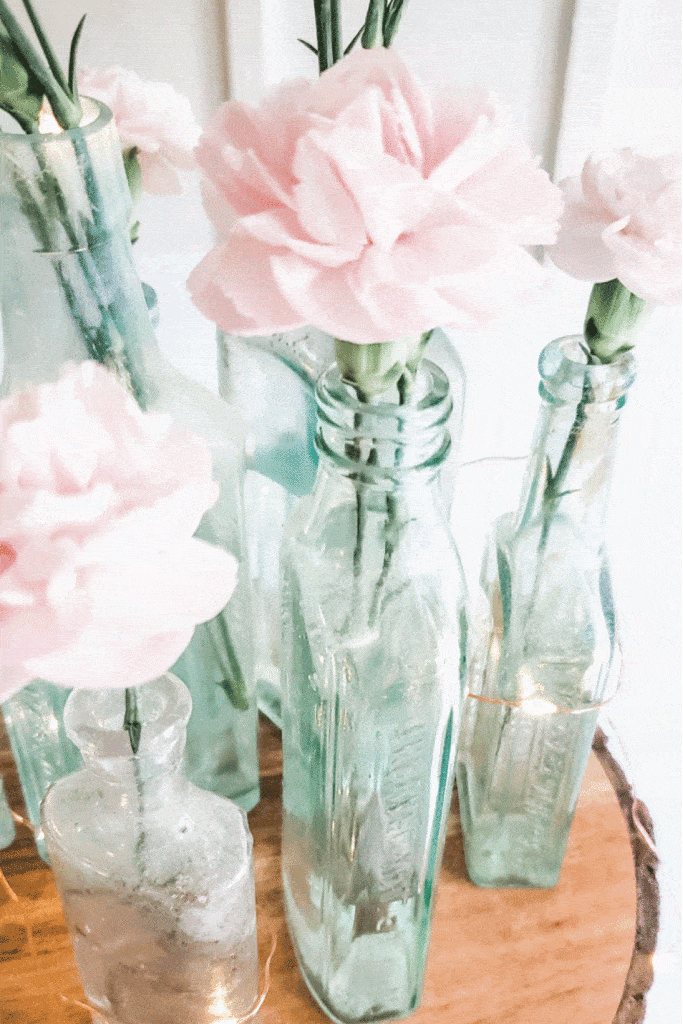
69, 290
372, 651
271, 379
544, 651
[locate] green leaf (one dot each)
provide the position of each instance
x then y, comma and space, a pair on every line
73, 85
21, 94
310, 46
355, 39
50, 55
66, 111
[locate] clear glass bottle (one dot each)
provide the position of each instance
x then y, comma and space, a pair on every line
70, 291
155, 875
373, 655
271, 379
544, 649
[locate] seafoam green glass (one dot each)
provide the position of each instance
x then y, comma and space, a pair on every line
271, 380
544, 648
7, 830
372, 651
70, 291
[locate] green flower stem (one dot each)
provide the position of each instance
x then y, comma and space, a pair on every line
131, 721
372, 370
373, 21
612, 320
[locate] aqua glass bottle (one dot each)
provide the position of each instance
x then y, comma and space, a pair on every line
7, 830
544, 649
69, 291
372, 659
271, 380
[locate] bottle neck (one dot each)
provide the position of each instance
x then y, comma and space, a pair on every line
94, 721
570, 470
70, 290
387, 443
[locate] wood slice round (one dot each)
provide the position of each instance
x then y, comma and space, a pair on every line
579, 952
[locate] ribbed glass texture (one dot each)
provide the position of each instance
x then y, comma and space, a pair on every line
544, 652
271, 380
373, 645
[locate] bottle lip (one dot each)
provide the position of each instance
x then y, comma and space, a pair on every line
338, 403
565, 373
418, 428
95, 114
93, 719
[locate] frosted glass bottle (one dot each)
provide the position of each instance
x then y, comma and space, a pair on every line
372, 659
155, 875
271, 380
69, 290
544, 648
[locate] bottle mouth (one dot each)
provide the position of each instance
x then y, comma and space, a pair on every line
384, 436
95, 117
567, 376
93, 719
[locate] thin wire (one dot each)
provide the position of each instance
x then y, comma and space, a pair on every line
494, 458
266, 985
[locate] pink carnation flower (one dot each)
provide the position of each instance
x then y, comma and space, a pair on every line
362, 205
622, 220
150, 117
101, 580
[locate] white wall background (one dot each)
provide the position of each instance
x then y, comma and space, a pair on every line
580, 75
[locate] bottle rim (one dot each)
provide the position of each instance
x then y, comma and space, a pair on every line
93, 719
98, 117
418, 429
567, 376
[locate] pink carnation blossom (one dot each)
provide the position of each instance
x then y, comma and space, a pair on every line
622, 220
363, 205
101, 580
150, 117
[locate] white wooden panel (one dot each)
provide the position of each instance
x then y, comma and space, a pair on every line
516, 47
622, 83
176, 41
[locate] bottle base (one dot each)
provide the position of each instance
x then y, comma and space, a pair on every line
507, 855
331, 1012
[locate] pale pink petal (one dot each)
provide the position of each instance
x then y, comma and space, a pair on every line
105, 582
282, 229
623, 220
150, 117
235, 286
390, 195
325, 208
363, 194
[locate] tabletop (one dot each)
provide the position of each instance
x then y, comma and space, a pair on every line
580, 952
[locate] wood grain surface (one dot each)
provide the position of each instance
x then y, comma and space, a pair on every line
497, 956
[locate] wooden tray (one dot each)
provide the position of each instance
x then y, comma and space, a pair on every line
580, 952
